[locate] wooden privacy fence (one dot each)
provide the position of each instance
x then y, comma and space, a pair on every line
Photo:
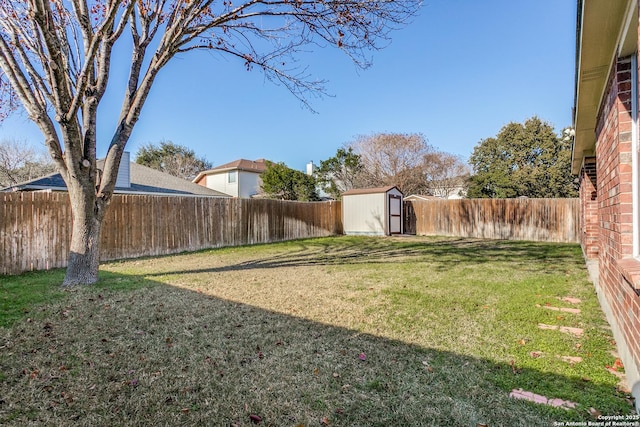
35, 228
548, 220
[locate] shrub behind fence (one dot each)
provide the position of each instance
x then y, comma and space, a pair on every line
35, 228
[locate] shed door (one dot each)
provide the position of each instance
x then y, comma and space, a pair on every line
395, 214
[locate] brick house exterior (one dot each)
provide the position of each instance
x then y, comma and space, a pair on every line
606, 160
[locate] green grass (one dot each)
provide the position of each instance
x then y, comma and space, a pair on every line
20, 295
447, 328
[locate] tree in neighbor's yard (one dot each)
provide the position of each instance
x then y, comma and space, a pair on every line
281, 182
446, 174
524, 159
174, 159
55, 58
393, 159
20, 162
340, 172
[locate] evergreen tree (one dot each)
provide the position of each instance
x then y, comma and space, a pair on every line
284, 183
340, 172
522, 160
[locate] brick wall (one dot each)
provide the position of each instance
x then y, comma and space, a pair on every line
615, 288
589, 212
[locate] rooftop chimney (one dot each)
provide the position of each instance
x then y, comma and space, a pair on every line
311, 168
123, 179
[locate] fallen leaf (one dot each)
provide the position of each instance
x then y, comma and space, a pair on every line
324, 421
595, 413
256, 419
430, 369
316, 371
522, 342
336, 375
362, 356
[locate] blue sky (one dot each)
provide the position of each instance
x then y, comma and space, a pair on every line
458, 73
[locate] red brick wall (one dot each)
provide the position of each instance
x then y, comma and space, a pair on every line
614, 199
589, 228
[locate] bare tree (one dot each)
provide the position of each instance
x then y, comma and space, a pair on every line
21, 162
446, 174
55, 58
393, 159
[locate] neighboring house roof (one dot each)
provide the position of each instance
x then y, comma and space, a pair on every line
144, 180
599, 34
370, 190
256, 166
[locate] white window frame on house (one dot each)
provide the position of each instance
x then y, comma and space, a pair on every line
232, 177
635, 160
628, 46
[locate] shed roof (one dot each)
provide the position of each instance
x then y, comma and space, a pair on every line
370, 190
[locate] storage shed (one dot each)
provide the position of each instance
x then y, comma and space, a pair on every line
372, 211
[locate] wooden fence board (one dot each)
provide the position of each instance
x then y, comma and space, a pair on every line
550, 220
35, 227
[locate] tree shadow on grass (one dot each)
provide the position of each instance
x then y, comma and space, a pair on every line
157, 354
439, 251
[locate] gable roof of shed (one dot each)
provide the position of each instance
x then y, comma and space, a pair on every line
375, 190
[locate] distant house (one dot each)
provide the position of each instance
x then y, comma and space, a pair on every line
132, 179
606, 157
240, 178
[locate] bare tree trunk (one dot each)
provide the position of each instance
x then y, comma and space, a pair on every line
84, 252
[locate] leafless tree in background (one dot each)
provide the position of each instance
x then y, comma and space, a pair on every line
393, 159
20, 162
446, 174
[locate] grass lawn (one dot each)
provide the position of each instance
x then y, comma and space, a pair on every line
346, 331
